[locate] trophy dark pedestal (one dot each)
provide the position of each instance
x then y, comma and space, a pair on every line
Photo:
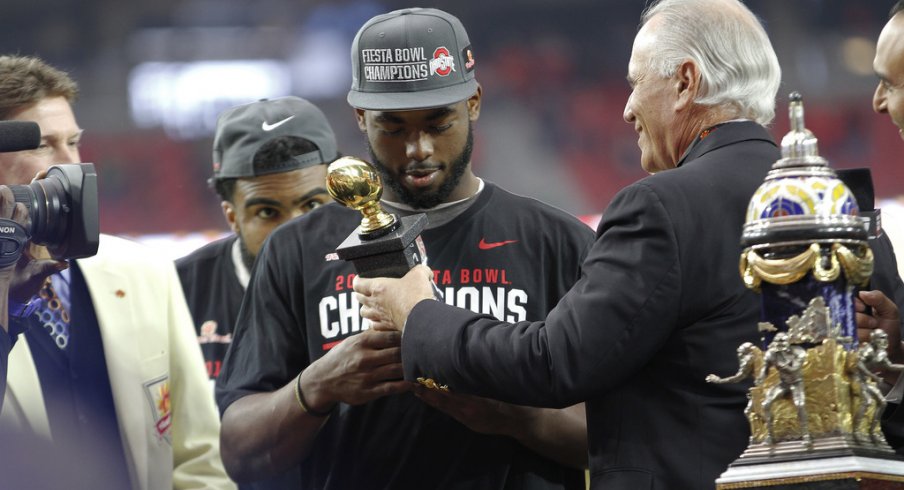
389, 255
849, 472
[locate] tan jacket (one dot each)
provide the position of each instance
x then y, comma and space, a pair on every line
151, 351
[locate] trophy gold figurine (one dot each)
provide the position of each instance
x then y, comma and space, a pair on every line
383, 245
814, 408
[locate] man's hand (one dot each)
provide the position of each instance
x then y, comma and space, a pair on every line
361, 368
35, 265
388, 302
33, 268
15, 211
557, 434
482, 415
885, 317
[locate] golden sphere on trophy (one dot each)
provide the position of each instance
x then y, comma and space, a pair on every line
356, 184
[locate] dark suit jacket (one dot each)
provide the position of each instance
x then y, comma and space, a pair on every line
660, 305
885, 278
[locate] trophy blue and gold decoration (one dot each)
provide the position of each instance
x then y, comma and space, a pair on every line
815, 405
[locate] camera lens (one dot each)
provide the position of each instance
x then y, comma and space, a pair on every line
45, 202
63, 210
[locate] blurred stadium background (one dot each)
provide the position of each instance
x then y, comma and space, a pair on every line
155, 74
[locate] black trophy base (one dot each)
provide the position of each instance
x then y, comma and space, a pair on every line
830, 463
389, 255
822, 447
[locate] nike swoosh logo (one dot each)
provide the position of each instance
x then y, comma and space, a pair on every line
271, 127
483, 245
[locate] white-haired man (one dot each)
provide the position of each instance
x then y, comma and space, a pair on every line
659, 303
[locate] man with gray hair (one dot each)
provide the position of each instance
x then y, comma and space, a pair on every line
659, 303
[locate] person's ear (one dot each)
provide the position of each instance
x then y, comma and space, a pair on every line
474, 104
686, 84
229, 214
359, 116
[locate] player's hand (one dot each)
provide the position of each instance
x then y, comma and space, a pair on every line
712, 378
885, 317
482, 415
388, 302
361, 368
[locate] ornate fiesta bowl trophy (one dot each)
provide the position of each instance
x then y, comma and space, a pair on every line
383, 245
815, 407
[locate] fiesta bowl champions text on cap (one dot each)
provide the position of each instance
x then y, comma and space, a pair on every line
243, 130
408, 59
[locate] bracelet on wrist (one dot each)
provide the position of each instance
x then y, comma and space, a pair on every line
304, 405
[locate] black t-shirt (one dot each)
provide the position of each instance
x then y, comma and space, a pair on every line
506, 255
214, 296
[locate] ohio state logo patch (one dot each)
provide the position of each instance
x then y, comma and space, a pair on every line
442, 63
158, 395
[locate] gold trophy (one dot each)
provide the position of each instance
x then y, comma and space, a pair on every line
383, 245
815, 407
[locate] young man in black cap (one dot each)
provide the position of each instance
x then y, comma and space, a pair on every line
269, 166
306, 384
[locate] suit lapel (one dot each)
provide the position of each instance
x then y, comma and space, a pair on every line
24, 399
114, 308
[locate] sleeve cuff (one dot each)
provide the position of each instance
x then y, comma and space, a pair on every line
22, 310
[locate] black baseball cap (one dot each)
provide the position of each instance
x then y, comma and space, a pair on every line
416, 58
243, 130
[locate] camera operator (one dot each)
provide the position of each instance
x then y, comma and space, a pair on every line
110, 371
